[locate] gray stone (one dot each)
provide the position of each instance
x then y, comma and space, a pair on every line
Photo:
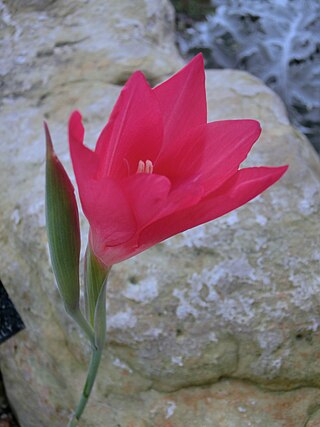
217, 326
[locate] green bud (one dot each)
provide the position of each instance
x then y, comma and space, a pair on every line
96, 275
62, 221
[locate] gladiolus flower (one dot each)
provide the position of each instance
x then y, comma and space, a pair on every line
159, 168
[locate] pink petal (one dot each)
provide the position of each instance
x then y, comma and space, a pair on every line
103, 201
134, 131
210, 154
84, 160
108, 211
227, 145
238, 190
183, 157
181, 197
182, 100
147, 195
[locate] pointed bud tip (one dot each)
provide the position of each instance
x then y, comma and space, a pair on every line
49, 145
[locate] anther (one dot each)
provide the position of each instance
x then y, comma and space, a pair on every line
145, 167
141, 167
149, 166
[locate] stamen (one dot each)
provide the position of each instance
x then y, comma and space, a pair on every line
145, 167
149, 166
141, 167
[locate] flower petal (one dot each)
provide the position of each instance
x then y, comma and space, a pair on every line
109, 213
238, 190
210, 154
227, 145
183, 158
134, 131
103, 202
182, 100
147, 195
84, 160
181, 197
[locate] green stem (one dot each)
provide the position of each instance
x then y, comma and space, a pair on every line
84, 325
92, 373
97, 276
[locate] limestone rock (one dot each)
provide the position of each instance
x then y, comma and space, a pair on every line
314, 419
216, 327
46, 44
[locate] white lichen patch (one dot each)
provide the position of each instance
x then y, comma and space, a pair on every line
206, 290
274, 351
170, 409
213, 337
316, 255
260, 243
305, 293
307, 203
177, 360
239, 310
16, 217
194, 237
231, 218
37, 209
202, 236
122, 320
153, 333
277, 311
270, 340
261, 219
188, 300
144, 291
119, 364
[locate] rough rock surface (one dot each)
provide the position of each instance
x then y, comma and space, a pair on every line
89, 40
218, 326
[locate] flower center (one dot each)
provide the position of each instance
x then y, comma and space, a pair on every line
145, 167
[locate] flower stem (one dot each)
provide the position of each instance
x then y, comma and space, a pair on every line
91, 376
84, 325
97, 277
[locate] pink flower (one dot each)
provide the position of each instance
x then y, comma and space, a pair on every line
159, 168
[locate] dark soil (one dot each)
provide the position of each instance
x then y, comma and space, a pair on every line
6, 417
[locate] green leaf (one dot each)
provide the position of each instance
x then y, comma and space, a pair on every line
62, 221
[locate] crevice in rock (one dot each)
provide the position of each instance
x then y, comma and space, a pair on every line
234, 379
63, 43
312, 412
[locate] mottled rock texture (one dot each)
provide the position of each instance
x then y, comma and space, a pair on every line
216, 327
89, 40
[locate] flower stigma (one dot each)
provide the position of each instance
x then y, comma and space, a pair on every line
145, 167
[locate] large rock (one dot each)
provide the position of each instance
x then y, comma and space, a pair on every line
64, 42
215, 327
